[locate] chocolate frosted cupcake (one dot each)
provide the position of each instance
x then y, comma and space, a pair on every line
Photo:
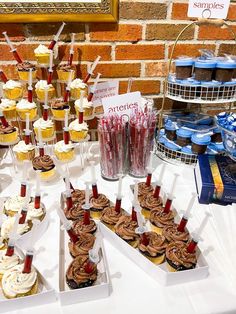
79, 226
46, 165
143, 190
8, 134
155, 249
159, 219
178, 258
110, 216
75, 212
77, 277
98, 204
125, 228
78, 196
82, 246
171, 233
23, 69
148, 203
64, 71
58, 107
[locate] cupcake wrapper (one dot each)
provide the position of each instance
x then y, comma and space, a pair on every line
74, 285
174, 267
24, 75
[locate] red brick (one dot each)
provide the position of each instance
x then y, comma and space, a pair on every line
10, 71
139, 52
156, 68
142, 10
227, 48
232, 12
213, 32
14, 31
146, 87
86, 52
119, 69
115, 32
168, 31
189, 49
179, 11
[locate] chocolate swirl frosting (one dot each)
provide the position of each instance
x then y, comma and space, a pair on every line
43, 163
77, 276
59, 104
149, 202
75, 212
156, 246
178, 256
160, 219
79, 226
172, 234
83, 245
110, 216
65, 67
99, 203
144, 189
25, 66
125, 228
78, 196
7, 129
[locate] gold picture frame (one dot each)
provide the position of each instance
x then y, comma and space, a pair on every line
58, 10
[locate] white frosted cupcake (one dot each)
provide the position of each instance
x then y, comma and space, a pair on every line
17, 284
40, 88
87, 107
24, 151
24, 106
13, 89
78, 131
7, 227
7, 262
76, 87
8, 107
35, 213
47, 128
42, 54
13, 205
64, 152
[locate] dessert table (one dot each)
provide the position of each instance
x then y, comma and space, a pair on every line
132, 289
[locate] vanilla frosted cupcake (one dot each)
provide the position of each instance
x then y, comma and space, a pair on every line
8, 107
40, 87
24, 151
47, 128
24, 106
76, 87
64, 152
35, 213
7, 262
17, 284
42, 54
87, 107
7, 227
13, 205
13, 89
78, 131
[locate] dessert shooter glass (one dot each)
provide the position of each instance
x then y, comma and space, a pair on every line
203, 70
184, 67
225, 70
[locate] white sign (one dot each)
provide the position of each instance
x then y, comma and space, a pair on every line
104, 90
216, 9
122, 104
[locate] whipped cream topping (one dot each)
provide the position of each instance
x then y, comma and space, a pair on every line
8, 262
22, 147
42, 84
25, 104
12, 84
7, 227
34, 213
76, 126
14, 203
7, 103
41, 49
78, 83
15, 282
86, 103
43, 124
62, 147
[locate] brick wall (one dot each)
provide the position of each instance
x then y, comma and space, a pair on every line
138, 46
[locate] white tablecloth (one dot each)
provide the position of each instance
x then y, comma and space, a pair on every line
133, 290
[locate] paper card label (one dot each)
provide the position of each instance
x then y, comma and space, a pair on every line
104, 90
217, 9
122, 104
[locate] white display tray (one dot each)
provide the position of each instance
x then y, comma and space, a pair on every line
46, 295
101, 288
24, 239
158, 272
